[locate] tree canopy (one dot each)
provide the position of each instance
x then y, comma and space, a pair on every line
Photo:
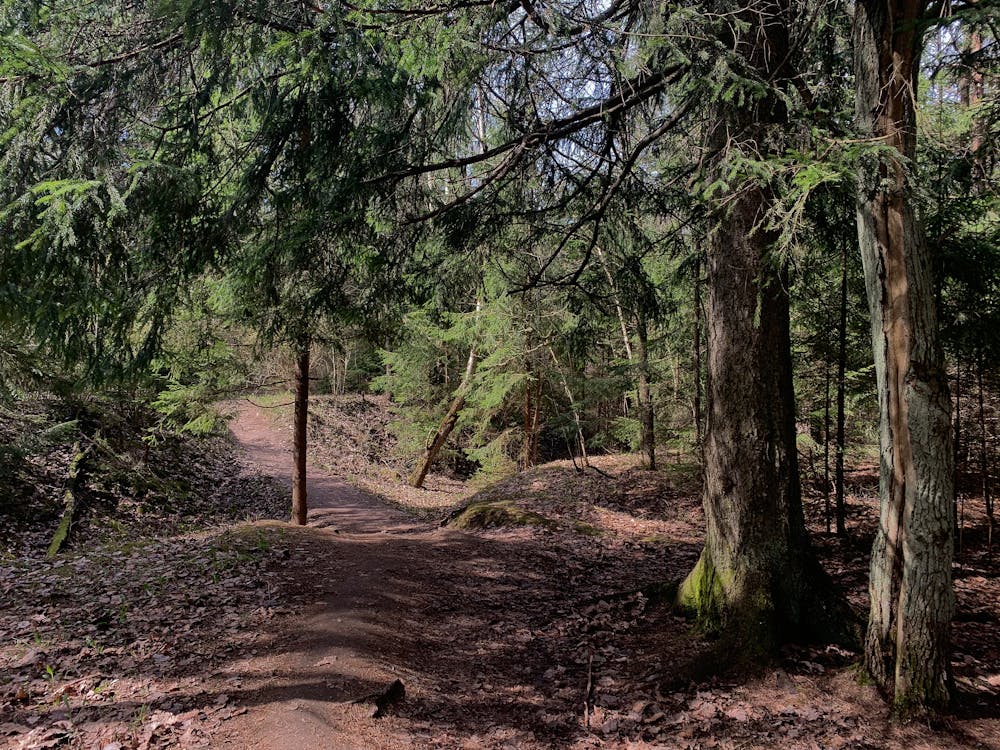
564, 201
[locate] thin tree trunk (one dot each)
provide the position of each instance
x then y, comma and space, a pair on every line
536, 415
581, 439
958, 522
638, 358
444, 430
527, 422
343, 379
300, 425
697, 353
826, 450
840, 504
646, 411
618, 305
984, 461
907, 647
976, 92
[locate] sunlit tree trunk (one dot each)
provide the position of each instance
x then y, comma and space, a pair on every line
910, 587
757, 579
436, 443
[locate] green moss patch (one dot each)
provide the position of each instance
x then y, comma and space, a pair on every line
498, 514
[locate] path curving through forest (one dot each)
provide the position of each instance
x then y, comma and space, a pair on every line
508, 639
496, 636
362, 563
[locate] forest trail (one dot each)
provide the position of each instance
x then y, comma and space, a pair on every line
333, 503
558, 634
511, 639
496, 635
370, 563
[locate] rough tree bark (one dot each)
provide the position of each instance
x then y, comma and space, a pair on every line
697, 353
300, 424
757, 581
912, 601
757, 575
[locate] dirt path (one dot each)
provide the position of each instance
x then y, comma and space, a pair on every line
558, 635
335, 651
485, 631
332, 502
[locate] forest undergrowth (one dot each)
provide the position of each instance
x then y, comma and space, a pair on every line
546, 624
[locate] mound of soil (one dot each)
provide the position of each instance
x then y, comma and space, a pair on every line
127, 487
613, 496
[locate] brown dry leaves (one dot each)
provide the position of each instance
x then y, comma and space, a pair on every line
112, 648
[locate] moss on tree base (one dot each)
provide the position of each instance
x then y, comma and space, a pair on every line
756, 620
702, 595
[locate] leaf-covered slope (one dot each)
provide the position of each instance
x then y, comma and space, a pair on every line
126, 487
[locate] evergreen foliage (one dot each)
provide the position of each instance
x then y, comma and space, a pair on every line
534, 193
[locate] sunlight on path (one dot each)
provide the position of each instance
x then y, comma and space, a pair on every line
333, 503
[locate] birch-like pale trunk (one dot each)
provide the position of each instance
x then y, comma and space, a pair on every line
912, 601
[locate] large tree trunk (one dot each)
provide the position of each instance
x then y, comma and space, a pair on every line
912, 600
300, 424
757, 575
757, 580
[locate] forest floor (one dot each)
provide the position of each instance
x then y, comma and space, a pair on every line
541, 623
